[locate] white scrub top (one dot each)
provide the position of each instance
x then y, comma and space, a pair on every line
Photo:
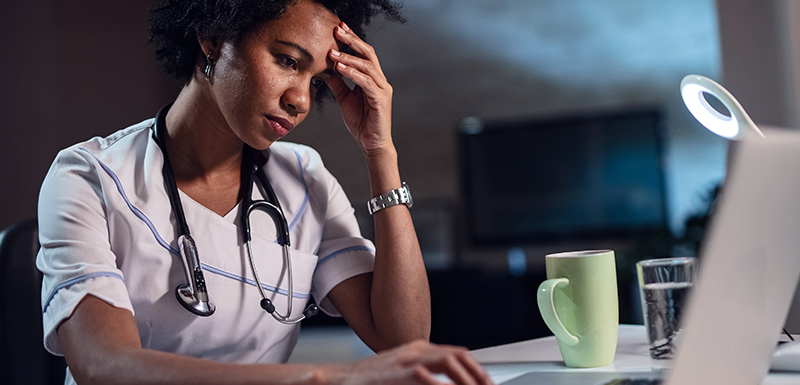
106, 228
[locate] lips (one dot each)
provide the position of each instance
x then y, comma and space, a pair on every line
280, 125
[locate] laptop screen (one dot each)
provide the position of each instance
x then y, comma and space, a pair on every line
749, 267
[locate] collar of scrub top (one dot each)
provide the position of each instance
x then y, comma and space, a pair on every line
737, 126
193, 294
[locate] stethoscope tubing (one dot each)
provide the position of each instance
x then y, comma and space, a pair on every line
193, 294
272, 207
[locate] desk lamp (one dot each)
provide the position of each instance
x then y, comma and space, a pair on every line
736, 126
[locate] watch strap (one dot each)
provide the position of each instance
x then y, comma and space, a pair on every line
394, 197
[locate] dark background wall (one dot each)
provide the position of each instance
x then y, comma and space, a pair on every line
70, 71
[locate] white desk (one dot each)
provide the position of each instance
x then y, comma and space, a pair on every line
541, 355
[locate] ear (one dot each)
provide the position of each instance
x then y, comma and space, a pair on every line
208, 46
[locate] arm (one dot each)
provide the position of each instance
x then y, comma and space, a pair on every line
391, 306
101, 346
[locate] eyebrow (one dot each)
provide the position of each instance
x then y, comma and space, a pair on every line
304, 53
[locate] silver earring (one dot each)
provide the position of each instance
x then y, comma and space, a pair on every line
209, 68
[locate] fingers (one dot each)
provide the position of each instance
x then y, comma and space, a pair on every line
338, 87
364, 60
455, 362
463, 369
359, 77
470, 365
418, 362
454, 367
475, 368
349, 64
424, 376
363, 68
361, 48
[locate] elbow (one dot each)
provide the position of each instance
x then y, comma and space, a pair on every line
87, 374
410, 332
414, 331
415, 326
419, 327
422, 332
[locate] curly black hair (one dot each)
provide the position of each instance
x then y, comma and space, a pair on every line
176, 24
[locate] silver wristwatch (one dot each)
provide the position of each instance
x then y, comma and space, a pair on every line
398, 196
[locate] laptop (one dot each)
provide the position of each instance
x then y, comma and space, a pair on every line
750, 264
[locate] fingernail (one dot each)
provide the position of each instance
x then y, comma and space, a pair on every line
345, 27
342, 31
335, 53
341, 66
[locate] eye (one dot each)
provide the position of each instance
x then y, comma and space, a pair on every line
288, 61
317, 83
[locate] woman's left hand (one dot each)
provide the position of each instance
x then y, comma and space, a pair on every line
367, 108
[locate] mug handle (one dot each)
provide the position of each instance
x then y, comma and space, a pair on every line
547, 308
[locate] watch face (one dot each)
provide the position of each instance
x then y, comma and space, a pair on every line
409, 199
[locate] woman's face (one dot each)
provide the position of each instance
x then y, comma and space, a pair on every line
265, 83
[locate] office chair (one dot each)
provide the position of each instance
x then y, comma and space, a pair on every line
23, 359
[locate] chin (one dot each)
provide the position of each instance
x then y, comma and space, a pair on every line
262, 145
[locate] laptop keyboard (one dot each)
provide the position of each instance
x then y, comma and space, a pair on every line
634, 381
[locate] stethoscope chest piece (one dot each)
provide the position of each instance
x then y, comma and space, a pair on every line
193, 294
192, 303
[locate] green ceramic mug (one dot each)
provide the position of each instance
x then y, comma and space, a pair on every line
579, 304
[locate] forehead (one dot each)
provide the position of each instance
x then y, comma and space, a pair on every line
305, 23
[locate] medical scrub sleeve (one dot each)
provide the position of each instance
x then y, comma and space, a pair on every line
75, 256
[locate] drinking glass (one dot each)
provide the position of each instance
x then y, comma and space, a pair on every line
664, 285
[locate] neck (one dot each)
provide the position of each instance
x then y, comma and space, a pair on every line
200, 144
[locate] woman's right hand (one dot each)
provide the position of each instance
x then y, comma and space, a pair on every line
417, 362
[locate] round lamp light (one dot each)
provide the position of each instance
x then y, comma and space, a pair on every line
736, 126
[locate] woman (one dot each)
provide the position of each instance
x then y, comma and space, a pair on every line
110, 233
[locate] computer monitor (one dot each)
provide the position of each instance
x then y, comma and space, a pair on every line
563, 178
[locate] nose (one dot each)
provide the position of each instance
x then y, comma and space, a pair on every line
297, 98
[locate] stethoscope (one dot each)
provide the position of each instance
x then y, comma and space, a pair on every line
193, 294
